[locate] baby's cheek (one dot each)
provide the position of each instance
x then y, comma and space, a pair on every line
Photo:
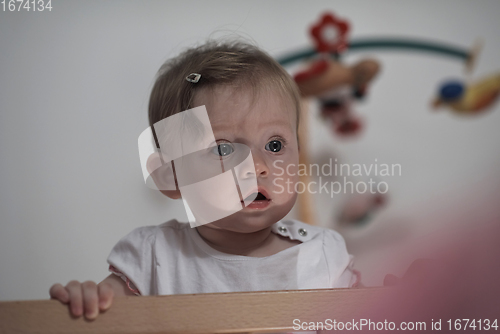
284, 181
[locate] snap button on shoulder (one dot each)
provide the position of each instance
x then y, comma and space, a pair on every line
282, 229
302, 232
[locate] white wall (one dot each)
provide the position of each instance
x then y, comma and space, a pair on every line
74, 85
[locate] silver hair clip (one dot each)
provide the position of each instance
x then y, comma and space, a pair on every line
193, 77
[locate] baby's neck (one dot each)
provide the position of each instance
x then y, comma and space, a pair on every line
257, 244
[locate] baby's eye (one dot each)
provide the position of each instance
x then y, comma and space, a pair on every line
274, 146
223, 149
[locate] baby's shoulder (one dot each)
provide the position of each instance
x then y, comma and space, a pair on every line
326, 241
173, 225
151, 232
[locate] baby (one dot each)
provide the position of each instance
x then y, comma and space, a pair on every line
253, 106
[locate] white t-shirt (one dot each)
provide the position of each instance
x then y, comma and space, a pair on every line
172, 258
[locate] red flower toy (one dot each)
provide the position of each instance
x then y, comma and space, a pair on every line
330, 34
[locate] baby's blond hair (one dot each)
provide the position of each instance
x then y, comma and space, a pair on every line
235, 64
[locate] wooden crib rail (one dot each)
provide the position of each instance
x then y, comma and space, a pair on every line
239, 312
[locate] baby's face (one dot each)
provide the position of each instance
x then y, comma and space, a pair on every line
266, 123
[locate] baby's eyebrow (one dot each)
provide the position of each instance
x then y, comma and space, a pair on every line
281, 124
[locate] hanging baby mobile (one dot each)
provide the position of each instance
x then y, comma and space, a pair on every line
323, 75
336, 84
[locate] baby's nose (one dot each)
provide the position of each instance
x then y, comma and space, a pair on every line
261, 167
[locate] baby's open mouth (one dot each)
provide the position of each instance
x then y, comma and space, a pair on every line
256, 197
258, 200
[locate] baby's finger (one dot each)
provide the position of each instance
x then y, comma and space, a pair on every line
90, 299
57, 291
106, 294
74, 289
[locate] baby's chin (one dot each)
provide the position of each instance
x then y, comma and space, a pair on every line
238, 228
251, 221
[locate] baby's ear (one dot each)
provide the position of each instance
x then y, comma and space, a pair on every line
162, 175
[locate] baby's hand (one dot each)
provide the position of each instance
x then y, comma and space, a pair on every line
86, 298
